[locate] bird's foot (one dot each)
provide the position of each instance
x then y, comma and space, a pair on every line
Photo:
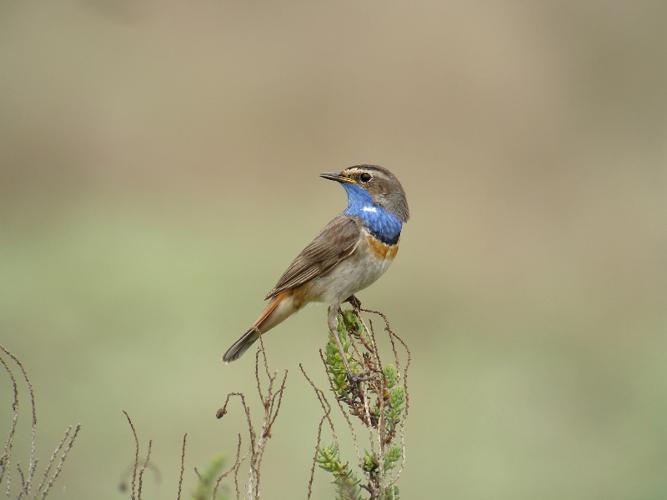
354, 302
356, 379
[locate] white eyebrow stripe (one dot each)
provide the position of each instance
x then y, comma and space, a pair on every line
369, 209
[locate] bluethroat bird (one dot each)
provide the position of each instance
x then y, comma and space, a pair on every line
349, 254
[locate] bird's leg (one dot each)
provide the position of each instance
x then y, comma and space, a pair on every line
333, 328
354, 302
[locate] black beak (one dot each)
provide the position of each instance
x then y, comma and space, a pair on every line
335, 177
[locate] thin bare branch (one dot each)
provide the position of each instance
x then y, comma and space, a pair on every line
9, 443
223, 411
143, 469
313, 464
180, 476
33, 437
236, 478
61, 461
52, 460
325, 418
279, 398
265, 360
23, 482
136, 456
237, 461
393, 335
257, 379
271, 399
198, 474
27, 477
324, 402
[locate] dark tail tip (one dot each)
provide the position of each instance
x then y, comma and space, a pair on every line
241, 345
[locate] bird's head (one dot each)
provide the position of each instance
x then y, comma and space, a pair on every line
372, 185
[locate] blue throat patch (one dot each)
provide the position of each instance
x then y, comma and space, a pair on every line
382, 224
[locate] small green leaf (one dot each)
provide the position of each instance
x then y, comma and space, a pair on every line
390, 376
347, 485
391, 457
370, 463
208, 479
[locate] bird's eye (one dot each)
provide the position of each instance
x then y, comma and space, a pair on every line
365, 177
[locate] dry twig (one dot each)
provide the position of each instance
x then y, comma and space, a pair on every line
180, 476
27, 479
233, 468
271, 394
136, 456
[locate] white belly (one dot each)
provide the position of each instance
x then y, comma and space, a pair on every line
351, 275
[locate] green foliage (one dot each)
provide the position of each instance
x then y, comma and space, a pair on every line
392, 493
347, 485
370, 463
371, 466
377, 398
391, 457
394, 410
334, 361
208, 479
390, 376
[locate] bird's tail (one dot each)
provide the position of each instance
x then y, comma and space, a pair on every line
241, 345
280, 307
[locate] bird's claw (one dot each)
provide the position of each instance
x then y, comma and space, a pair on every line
354, 302
356, 379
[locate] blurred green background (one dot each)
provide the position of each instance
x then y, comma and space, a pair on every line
158, 171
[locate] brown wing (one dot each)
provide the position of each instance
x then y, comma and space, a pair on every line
336, 242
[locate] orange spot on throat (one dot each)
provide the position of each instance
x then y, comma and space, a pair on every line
382, 250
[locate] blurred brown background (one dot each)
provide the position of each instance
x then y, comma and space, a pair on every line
158, 170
